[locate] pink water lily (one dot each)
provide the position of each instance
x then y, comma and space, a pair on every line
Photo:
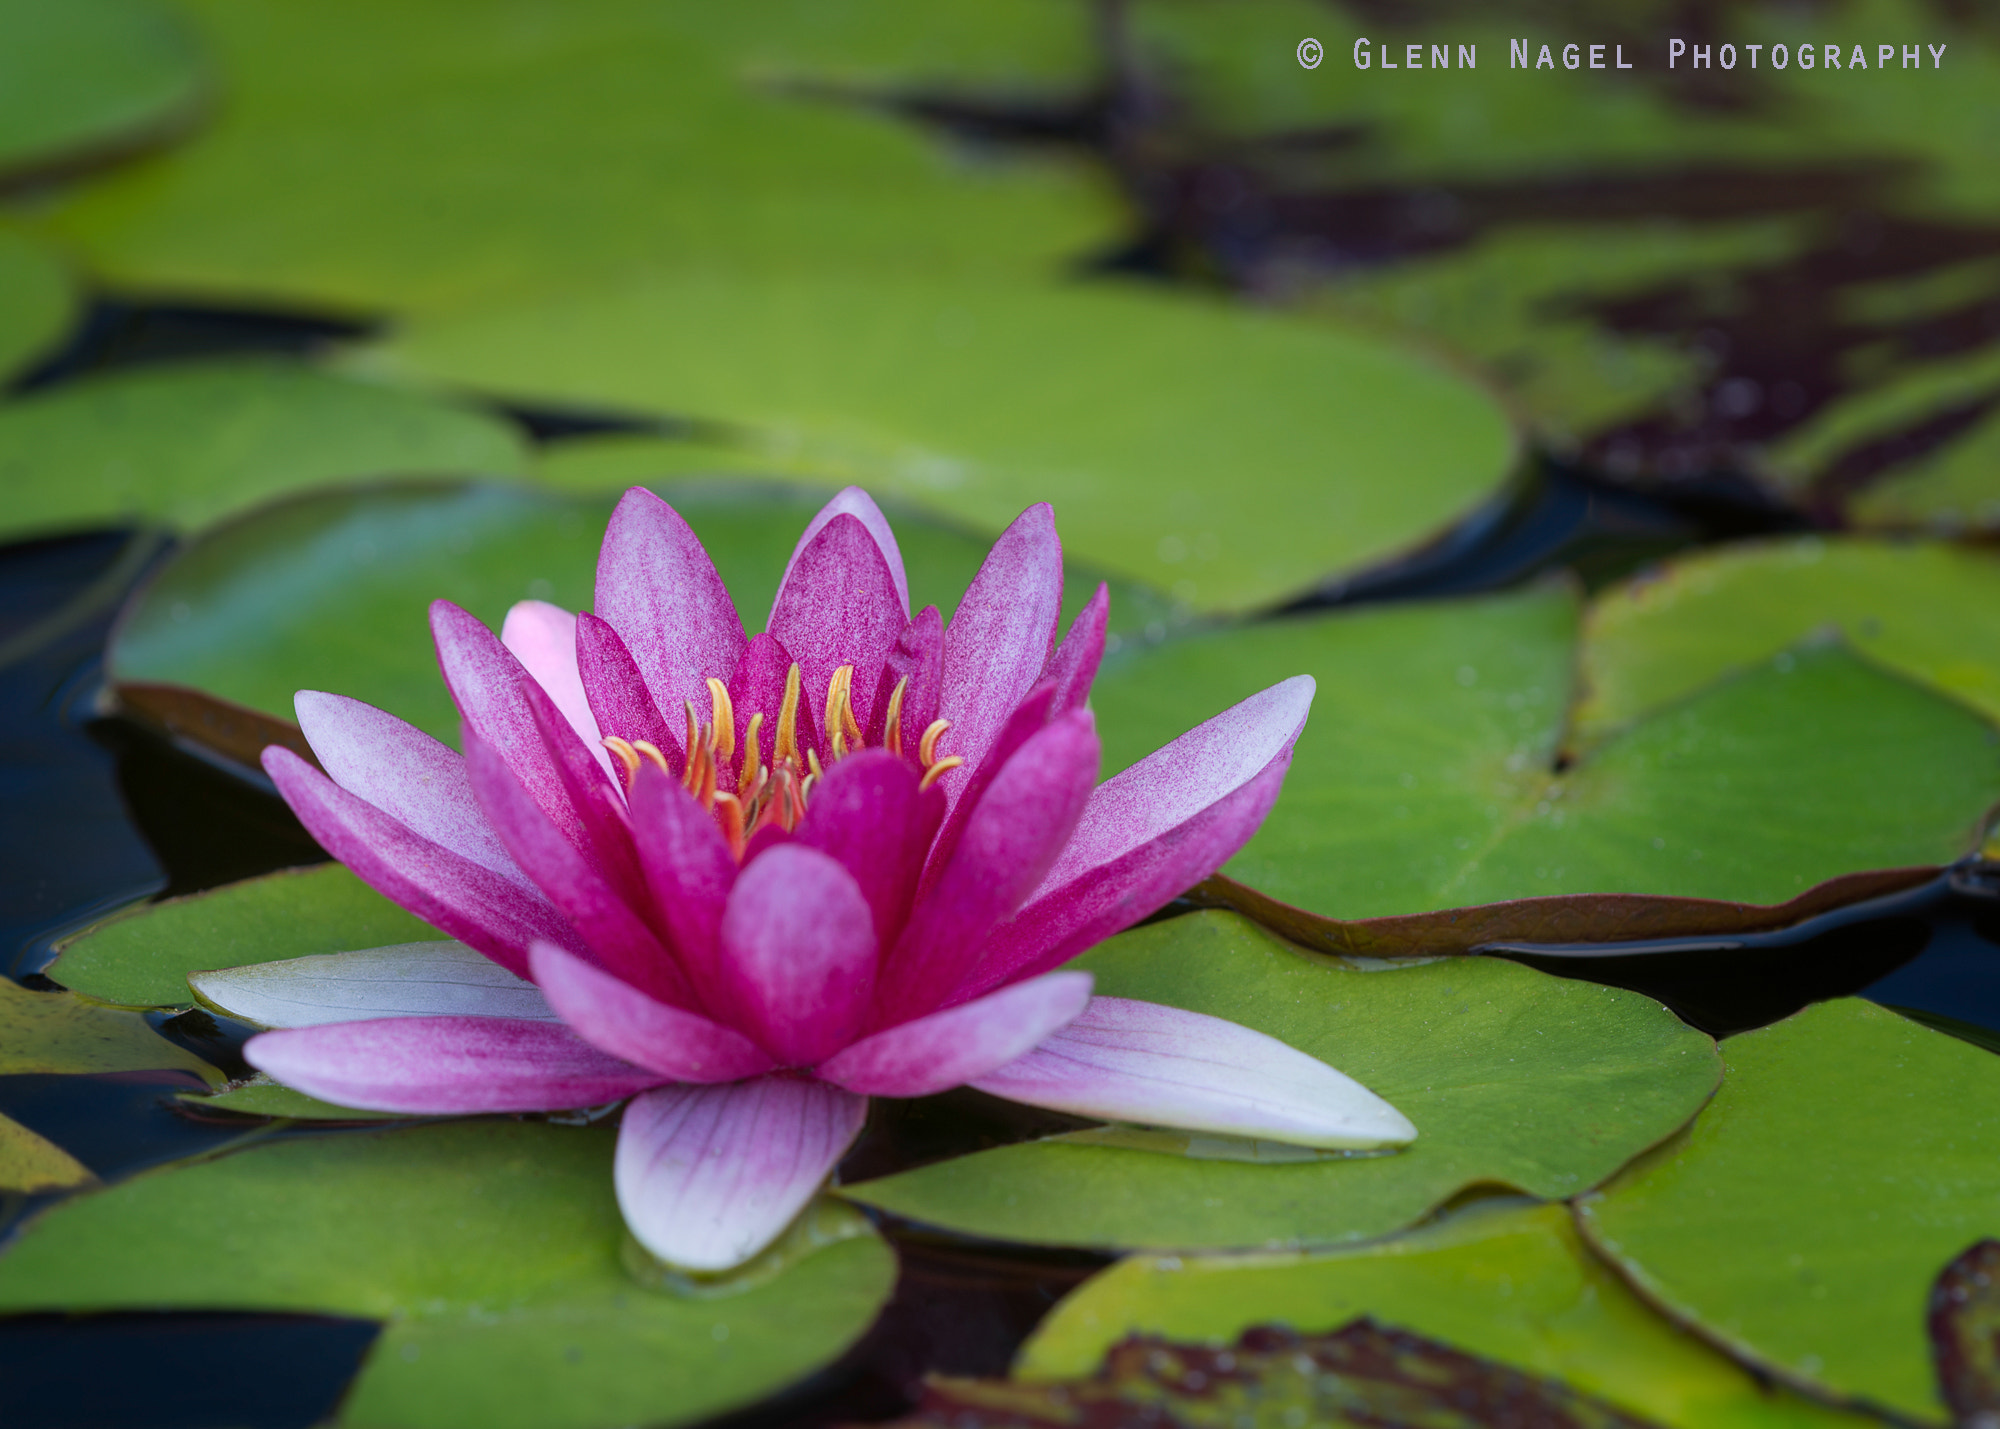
754, 882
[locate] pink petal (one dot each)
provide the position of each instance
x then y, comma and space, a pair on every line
709, 1176
659, 590
594, 799
839, 606
405, 773
869, 814
948, 1049
464, 899
690, 871
614, 933
1000, 637
1029, 716
492, 692
758, 685
1073, 667
1153, 831
543, 638
1162, 1066
1016, 831
617, 691
446, 1065
853, 501
918, 655
619, 1019
799, 953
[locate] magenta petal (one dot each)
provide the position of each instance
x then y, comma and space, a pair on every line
1012, 836
853, 501
799, 954
1029, 716
402, 771
446, 1065
839, 606
447, 890
690, 871
614, 932
709, 1176
757, 685
619, 699
1000, 637
659, 590
948, 1049
1163, 1066
593, 798
918, 656
492, 692
618, 1018
1153, 831
1073, 668
869, 814
543, 638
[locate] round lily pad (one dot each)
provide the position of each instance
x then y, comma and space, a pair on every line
142, 957
491, 1252
37, 301
1802, 1219
1513, 1078
332, 591
84, 79
56, 1032
1506, 1281
186, 443
1186, 443
1427, 777
35, 1164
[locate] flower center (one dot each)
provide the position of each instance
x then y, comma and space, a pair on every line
778, 792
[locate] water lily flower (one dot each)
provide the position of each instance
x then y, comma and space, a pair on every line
750, 883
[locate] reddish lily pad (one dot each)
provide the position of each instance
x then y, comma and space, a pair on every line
1965, 1333
491, 1251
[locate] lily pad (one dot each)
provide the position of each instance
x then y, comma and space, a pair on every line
1801, 1220
33, 1164
1917, 609
491, 1250
1505, 1281
447, 158
88, 79
142, 958
260, 1096
1122, 404
1513, 1078
37, 302
1426, 779
1965, 1332
331, 591
58, 1032
187, 443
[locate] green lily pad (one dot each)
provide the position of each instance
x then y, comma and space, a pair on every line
1124, 405
1801, 1220
260, 1096
454, 158
1513, 1078
37, 302
57, 1032
142, 957
1918, 609
87, 79
332, 591
1505, 1281
187, 443
1426, 777
491, 1250
33, 1164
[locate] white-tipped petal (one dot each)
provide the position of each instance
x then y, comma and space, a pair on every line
709, 1176
1162, 1066
404, 980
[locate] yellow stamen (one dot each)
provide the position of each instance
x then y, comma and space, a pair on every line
753, 765
892, 732
724, 714
729, 813
651, 751
939, 769
787, 749
693, 739
812, 759
626, 755
927, 746
842, 730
